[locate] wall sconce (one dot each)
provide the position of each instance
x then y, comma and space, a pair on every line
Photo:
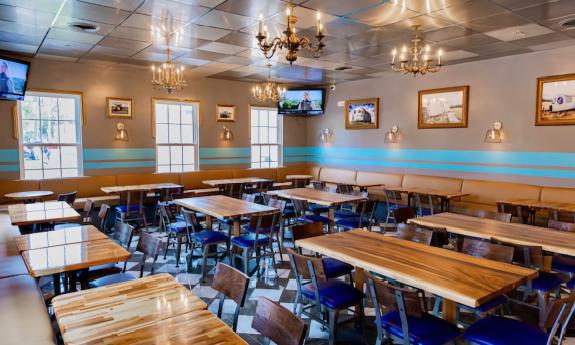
392, 137
121, 132
326, 135
493, 135
226, 134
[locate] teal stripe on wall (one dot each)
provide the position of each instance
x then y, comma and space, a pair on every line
118, 154
8, 156
9, 167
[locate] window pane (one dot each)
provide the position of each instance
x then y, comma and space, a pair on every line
188, 115
67, 109
175, 135
274, 153
31, 107
51, 157
32, 157
273, 132
69, 156
162, 134
33, 175
163, 155
264, 135
255, 118
161, 113
188, 134
255, 153
49, 131
265, 154
189, 168
69, 172
188, 154
263, 118
67, 132
273, 119
174, 113
49, 108
273, 164
175, 155
31, 131
255, 135
176, 168
163, 168
52, 173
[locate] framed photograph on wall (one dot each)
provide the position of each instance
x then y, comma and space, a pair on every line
225, 113
119, 108
443, 108
362, 113
555, 100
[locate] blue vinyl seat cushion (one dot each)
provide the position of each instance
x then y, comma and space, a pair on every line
178, 227
208, 237
311, 218
497, 330
563, 263
352, 222
125, 208
199, 216
546, 281
250, 240
335, 268
112, 279
424, 330
334, 294
318, 208
345, 214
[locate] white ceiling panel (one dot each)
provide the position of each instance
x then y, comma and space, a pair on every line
225, 20
73, 36
519, 32
87, 11
222, 48
126, 5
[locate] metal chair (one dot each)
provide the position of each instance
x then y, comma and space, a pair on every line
233, 284
392, 202
86, 216
279, 227
122, 234
103, 217
69, 198
319, 185
364, 218
277, 324
523, 213
132, 208
174, 228
563, 263
301, 208
233, 190
425, 205
413, 233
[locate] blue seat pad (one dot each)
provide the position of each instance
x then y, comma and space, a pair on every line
334, 294
314, 219
335, 268
199, 216
178, 227
318, 208
112, 279
546, 281
249, 240
207, 237
345, 214
497, 330
352, 222
123, 208
563, 263
424, 330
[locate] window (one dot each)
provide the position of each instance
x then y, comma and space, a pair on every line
266, 137
176, 135
50, 135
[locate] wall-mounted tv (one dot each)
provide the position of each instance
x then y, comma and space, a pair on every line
13, 78
305, 102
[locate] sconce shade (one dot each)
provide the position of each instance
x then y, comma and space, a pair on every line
325, 135
121, 132
493, 135
226, 134
391, 137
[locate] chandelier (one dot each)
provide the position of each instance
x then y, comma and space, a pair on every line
289, 40
167, 76
416, 59
268, 91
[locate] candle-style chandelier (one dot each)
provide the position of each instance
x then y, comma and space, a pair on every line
269, 91
417, 59
167, 76
289, 39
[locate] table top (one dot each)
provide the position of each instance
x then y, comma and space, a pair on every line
33, 194
462, 278
71, 257
140, 309
251, 180
146, 187
356, 184
538, 204
42, 212
224, 207
551, 240
84, 233
427, 191
316, 196
299, 177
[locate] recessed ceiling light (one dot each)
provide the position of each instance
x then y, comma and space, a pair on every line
342, 68
82, 27
568, 23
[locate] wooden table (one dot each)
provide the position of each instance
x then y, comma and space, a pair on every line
29, 196
146, 187
150, 310
84, 233
223, 207
42, 212
299, 177
245, 180
522, 234
456, 277
318, 197
363, 186
535, 204
444, 195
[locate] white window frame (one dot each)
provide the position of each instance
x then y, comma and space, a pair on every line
195, 145
280, 135
79, 125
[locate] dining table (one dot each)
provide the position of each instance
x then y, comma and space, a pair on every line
243, 180
456, 277
42, 213
146, 187
58, 237
444, 195
29, 197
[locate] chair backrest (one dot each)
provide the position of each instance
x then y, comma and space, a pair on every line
264, 186
307, 230
276, 203
343, 188
514, 210
392, 197
556, 317
278, 324
530, 256
305, 266
191, 220
300, 183
233, 190
318, 185
168, 212
149, 245
166, 194
300, 207
563, 216
403, 214
559, 225
68, 197
487, 250
366, 208
263, 222
425, 201
231, 282
103, 216
134, 201
413, 233
88, 207
122, 233
249, 197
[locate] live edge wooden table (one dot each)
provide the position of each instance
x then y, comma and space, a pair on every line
29, 196
318, 197
457, 277
42, 212
150, 310
245, 180
223, 207
146, 187
445, 196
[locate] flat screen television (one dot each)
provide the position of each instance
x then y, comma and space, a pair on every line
13, 78
303, 102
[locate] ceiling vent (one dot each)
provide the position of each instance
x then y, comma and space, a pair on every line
342, 68
568, 23
82, 27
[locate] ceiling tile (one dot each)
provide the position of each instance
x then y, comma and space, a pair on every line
253, 8
428, 6
18, 47
139, 21
470, 41
548, 12
517, 4
238, 60
56, 57
132, 33
102, 51
519, 32
542, 39
172, 10
121, 43
240, 39
552, 45
447, 33
205, 3
470, 10
496, 22
150, 56
225, 20
204, 32
425, 22
497, 48
64, 48
384, 14
380, 35
306, 18
73, 36
102, 14
26, 16
126, 5
21, 39
40, 5
19, 28
340, 7
222, 48
343, 28
190, 61
205, 55
251, 69
457, 55
343, 45
102, 29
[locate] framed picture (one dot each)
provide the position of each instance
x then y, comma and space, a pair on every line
225, 113
443, 108
119, 108
555, 100
362, 113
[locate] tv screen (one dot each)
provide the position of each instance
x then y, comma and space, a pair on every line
302, 102
13, 78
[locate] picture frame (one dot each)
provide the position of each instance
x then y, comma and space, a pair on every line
443, 108
225, 113
119, 108
362, 113
555, 104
